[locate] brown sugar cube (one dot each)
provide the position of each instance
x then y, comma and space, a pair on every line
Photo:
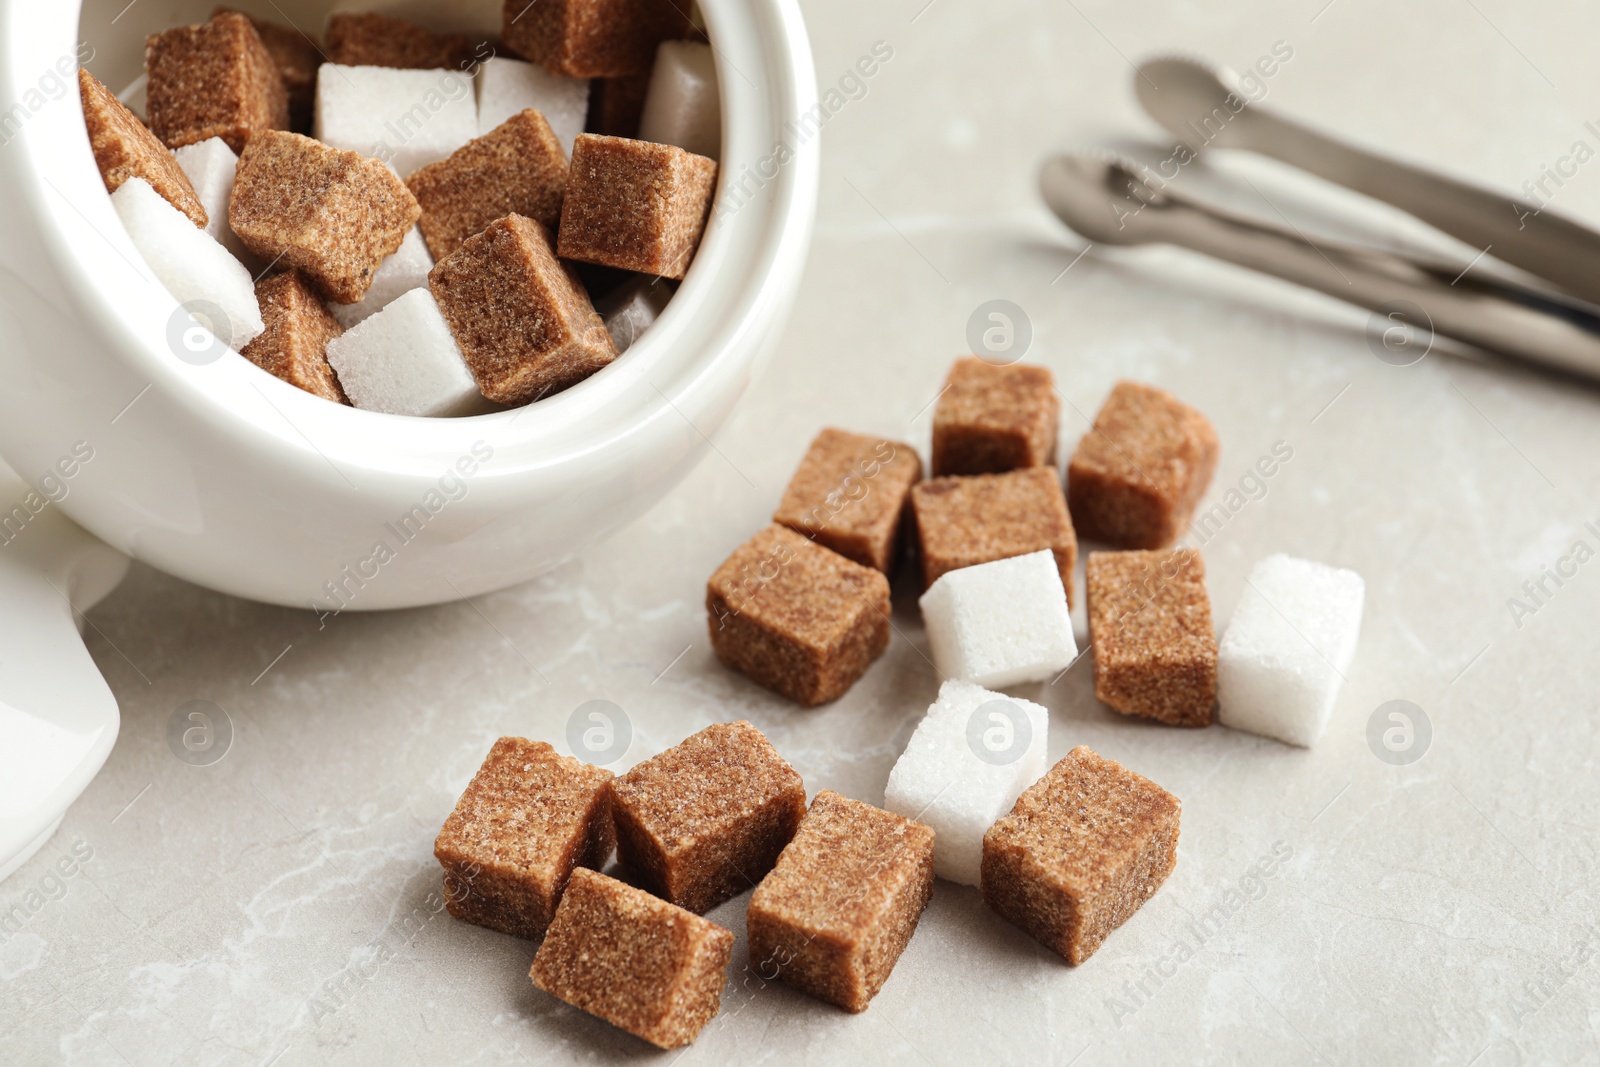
1084, 847
641, 964
993, 419
521, 317
124, 148
797, 618
842, 903
616, 105
298, 57
637, 205
529, 817
213, 80
1155, 652
368, 39
518, 168
1135, 478
962, 522
295, 343
333, 214
593, 38
705, 820
849, 494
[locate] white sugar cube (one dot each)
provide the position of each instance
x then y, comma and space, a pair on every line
970, 758
406, 118
507, 87
405, 361
195, 269
1287, 648
472, 17
210, 166
633, 309
402, 272
1000, 623
682, 106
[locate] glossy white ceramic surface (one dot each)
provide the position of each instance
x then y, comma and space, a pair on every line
58, 718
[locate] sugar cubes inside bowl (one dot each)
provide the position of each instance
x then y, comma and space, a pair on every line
371, 163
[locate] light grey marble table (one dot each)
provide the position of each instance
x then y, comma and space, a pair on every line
280, 906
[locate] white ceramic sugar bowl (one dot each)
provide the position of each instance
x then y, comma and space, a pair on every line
225, 476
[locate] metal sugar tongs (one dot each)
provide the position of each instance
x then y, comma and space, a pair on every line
1112, 200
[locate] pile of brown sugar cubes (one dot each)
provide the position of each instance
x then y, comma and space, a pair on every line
1067, 853
803, 607
412, 222
838, 887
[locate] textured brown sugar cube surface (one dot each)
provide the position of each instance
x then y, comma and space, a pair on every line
641, 964
332, 214
705, 820
635, 204
991, 419
213, 80
524, 323
1135, 478
964, 521
1084, 847
124, 149
797, 618
366, 39
842, 903
849, 494
518, 168
616, 105
593, 38
298, 56
295, 343
529, 817
1155, 651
